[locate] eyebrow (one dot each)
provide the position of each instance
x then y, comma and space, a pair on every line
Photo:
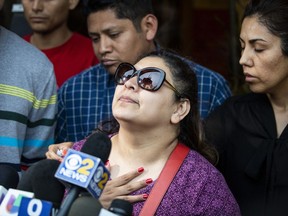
105, 31
253, 41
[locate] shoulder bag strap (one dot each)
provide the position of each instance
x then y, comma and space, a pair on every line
166, 176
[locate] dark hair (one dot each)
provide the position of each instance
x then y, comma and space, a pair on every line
273, 14
134, 10
185, 81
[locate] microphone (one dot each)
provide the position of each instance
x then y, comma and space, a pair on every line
11, 202
35, 207
85, 169
40, 180
118, 207
3, 192
9, 177
121, 207
93, 207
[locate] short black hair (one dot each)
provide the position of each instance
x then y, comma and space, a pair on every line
134, 10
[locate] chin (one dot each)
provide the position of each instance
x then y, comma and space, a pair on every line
257, 89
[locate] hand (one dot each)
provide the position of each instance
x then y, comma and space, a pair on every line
121, 187
54, 148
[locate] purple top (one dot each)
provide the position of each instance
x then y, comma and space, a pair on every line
197, 189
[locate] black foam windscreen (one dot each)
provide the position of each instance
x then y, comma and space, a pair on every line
121, 207
98, 145
85, 205
9, 177
40, 180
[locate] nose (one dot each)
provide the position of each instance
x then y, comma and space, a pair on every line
37, 5
132, 83
104, 45
246, 58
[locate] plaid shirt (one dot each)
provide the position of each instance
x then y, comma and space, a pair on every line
86, 99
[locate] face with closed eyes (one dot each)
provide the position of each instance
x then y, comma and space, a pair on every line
264, 65
134, 104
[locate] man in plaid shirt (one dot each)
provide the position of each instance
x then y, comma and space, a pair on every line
123, 36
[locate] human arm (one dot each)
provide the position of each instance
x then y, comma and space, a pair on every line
42, 115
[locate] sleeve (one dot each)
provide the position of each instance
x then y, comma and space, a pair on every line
42, 118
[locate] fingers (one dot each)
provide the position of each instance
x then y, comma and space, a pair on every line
134, 198
54, 153
122, 186
124, 179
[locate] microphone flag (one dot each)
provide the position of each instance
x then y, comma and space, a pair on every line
34, 207
11, 202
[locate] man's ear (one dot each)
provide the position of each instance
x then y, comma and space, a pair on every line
182, 109
149, 25
73, 4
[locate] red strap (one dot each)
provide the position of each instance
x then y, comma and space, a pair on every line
166, 176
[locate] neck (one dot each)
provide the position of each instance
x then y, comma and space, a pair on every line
145, 145
51, 39
137, 149
279, 101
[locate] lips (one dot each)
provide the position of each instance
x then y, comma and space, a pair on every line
37, 19
249, 77
127, 99
108, 62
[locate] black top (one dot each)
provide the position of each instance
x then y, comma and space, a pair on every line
252, 159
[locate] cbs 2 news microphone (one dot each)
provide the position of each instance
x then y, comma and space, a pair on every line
83, 170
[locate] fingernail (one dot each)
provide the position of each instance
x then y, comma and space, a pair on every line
107, 163
64, 152
145, 196
149, 181
140, 169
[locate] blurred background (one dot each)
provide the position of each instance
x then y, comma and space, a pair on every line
206, 31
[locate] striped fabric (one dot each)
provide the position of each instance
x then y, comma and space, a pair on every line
83, 101
27, 102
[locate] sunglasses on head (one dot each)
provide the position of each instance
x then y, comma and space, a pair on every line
149, 78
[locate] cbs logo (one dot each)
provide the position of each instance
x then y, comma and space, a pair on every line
76, 163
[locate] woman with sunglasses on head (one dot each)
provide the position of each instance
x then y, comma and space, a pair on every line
251, 131
152, 121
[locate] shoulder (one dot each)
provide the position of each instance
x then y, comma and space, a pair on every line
82, 38
20, 48
18, 53
206, 73
197, 165
210, 190
92, 77
199, 173
240, 102
204, 186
